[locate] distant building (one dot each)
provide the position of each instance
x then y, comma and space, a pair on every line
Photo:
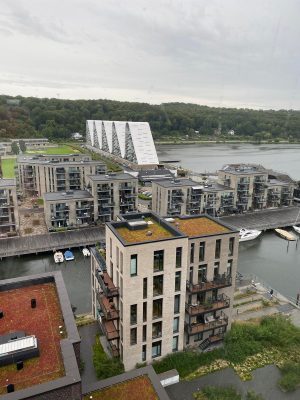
13, 102
77, 136
9, 215
128, 141
231, 132
149, 175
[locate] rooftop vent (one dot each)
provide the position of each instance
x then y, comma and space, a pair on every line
149, 233
170, 219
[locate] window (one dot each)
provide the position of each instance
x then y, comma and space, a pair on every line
176, 303
121, 262
157, 308
202, 271
202, 251
156, 349
198, 337
229, 267
231, 247
216, 269
156, 330
133, 314
133, 336
177, 281
176, 325
145, 288
133, 265
158, 261
191, 274
110, 247
158, 283
192, 252
144, 352
178, 257
218, 248
145, 311
144, 333
175, 343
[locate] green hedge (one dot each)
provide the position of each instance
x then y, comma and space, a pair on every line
105, 366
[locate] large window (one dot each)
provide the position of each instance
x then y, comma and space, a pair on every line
231, 247
218, 248
216, 270
158, 284
192, 253
145, 288
177, 281
133, 314
202, 272
144, 333
156, 349
176, 304
176, 325
144, 352
145, 311
229, 268
133, 336
133, 265
178, 257
202, 251
157, 308
158, 261
175, 343
156, 330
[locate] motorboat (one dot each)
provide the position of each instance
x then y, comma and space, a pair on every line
69, 256
248, 234
296, 228
58, 257
285, 234
86, 252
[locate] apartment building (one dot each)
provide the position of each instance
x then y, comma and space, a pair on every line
256, 187
41, 174
9, 215
68, 209
163, 284
186, 197
114, 194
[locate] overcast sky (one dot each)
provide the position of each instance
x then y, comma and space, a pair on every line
216, 52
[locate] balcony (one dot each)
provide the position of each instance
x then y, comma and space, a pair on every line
126, 188
220, 303
114, 350
210, 323
107, 307
111, 332
218, 283
106, 283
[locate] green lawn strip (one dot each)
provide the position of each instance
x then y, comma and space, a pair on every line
61, 149
247, 346
224, 393
105, 367
243, 303
246, 294
144, 197
8, 165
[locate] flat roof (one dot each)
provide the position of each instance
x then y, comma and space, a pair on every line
195, 226
109, 177
69, 195
277, 182
216, 187
7, 182
244, 169
58, 163
176, 183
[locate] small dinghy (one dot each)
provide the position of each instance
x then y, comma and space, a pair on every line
86, 252
69, 256
58, 257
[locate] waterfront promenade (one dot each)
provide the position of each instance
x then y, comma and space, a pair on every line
17, 246
265, 219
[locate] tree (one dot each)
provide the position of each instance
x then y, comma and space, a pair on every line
15, 148
22, 146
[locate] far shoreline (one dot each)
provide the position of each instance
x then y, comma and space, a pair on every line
176, 142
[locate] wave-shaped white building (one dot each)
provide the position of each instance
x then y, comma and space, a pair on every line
131, 141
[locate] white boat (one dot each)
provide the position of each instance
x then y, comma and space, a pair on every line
86, 252
58, 257
285, 234
296, 228
248, 234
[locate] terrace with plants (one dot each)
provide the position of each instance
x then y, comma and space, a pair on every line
199, 226
45, 322
133, 389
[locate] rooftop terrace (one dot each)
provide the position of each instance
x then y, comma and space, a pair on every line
199, 226
243, 169
43, 322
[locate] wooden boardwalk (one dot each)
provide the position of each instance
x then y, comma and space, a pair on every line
265, 219
50, 242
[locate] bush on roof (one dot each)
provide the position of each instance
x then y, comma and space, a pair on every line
105, 367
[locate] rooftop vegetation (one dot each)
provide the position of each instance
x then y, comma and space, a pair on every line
43, 322
158, 232
105, 366
199, 226
8, 165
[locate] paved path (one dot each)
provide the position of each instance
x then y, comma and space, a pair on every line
88, 333
266, 219
50, 241
264, 382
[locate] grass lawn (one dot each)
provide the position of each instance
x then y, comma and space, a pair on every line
8, 165
63, 149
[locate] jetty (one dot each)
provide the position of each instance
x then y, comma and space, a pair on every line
264, 219
17, 246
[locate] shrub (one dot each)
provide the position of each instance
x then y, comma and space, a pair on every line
290, 376
105, 367
253, 396
216, 393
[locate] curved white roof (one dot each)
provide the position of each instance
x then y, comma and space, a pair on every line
120, 127
90, 130
143, 142
107, 125
98, 126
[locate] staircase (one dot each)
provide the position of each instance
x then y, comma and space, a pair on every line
204, 345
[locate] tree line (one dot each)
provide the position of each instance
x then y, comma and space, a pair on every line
58, 119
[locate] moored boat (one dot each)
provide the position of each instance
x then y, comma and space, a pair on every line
248, 234
285, 234
86, 252
296, 228
58, 257
69, 256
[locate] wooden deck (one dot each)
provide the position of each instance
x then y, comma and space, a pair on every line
17, 246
